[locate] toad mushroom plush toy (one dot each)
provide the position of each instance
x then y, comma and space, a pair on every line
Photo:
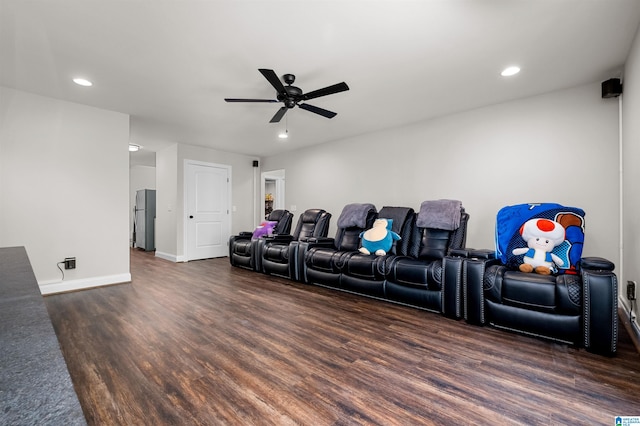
541, 235
379, 238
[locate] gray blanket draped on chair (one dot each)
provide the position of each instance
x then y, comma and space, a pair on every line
355, 215
440, 214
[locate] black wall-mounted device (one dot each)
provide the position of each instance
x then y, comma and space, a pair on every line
631, 290
611, 88
70, 263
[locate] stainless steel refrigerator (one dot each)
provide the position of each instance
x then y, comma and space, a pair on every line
145, 215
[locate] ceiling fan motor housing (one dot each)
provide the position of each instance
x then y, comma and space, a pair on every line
293, 96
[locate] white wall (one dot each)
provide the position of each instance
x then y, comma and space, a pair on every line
64, 185
166, 202
170, 193
559, 147
140, 177
631, 171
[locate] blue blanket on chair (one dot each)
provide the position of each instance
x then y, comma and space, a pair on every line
511, 218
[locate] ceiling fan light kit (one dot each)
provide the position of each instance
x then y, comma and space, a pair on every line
291, 96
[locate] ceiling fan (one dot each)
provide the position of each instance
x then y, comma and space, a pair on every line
291, 96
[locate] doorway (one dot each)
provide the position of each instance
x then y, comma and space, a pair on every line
207, 220
272, 195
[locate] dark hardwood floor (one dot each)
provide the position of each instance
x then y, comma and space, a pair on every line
206, 343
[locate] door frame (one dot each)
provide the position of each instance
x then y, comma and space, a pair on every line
185, 205
279, 177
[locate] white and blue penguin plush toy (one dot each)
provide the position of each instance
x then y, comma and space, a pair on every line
379, 238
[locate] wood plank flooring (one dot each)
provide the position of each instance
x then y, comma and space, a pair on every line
205, 343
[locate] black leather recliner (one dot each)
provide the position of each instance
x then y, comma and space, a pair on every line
279, 253
324, 257
242, 247
366, 274
578, 307
419, 278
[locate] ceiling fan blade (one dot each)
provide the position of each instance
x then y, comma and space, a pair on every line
250, 100
279, 114
330, 90
271, 76
315, 109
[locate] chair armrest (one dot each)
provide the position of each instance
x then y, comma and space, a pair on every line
326, 242
471, 253
600, 307
258, 246
296, 250
596, 264
452, 279
279, 238
275, 234
475, 265
455, 280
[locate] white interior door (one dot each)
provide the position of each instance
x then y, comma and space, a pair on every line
207, 208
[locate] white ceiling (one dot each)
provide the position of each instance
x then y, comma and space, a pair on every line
170, 64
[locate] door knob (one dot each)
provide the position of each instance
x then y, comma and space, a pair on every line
190, 217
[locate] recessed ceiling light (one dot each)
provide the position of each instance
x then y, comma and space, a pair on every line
133, 147
509, 71
82, 82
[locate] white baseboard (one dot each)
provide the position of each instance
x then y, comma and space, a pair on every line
631, 326
170, 257
82, 284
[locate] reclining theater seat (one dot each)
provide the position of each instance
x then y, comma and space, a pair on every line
323, 260
279, 253
578, 305
242, 247
417, 279
365, 274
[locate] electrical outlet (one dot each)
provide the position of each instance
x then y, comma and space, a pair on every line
70, 263
631, 290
